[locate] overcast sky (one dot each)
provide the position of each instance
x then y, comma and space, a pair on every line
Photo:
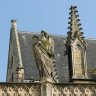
36, 15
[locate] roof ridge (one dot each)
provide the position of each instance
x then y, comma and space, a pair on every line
27, 32
53, 34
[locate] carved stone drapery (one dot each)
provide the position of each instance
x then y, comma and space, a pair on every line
44, 55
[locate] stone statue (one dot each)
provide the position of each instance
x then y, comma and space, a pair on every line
44, 53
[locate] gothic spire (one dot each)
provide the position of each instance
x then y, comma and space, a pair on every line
76, 47
74, 28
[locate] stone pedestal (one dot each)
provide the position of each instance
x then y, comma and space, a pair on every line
46, 86
46, 79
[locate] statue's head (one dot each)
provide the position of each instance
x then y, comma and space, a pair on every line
43, 33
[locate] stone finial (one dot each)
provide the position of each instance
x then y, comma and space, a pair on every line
74, 22
13, 22
75, 25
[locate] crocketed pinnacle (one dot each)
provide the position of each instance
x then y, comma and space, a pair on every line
74, 28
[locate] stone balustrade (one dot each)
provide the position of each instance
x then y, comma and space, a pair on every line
18, 89
58, 89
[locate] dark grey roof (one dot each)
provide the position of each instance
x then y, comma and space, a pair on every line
61, 60
91, 56
28, 59
91, 53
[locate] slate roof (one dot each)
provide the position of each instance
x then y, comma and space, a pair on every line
29, 62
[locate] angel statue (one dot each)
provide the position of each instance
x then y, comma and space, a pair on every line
44, 53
